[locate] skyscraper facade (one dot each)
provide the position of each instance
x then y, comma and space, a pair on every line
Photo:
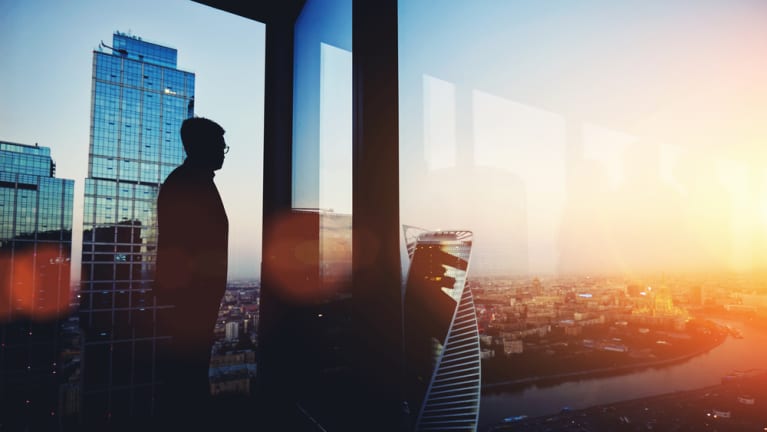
442, 355
139, 100
35, 248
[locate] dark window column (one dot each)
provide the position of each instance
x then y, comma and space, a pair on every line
278, 113
376, 228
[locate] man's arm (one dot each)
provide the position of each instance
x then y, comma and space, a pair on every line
175, 208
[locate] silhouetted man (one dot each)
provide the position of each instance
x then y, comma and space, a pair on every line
191, 270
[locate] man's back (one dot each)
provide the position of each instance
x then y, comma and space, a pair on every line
191, 258
193, 238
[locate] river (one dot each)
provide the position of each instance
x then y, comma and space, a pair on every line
750, 352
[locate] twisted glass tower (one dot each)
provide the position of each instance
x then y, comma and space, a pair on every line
442, 356
139, 100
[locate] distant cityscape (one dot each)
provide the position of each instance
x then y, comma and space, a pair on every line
645, 319
634, 322
543, 329
574, 303
233, 361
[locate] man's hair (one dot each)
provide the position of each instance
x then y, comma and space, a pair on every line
199, 132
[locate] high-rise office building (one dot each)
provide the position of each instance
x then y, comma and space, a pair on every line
139, 100
442, 354
35, 248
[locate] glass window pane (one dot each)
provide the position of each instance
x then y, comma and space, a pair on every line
590, 160
322, 133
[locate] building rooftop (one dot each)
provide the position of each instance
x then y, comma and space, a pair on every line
24, 148
135, 48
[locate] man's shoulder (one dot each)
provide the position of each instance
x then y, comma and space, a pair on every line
179, 174
177, 182
180, 178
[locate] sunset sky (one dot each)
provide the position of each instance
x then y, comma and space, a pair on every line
590, 137
584, 137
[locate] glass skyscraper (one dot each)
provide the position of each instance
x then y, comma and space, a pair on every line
442, 355
139, 100
35, 248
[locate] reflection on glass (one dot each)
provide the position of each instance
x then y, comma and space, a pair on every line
590, 159
335, 129
543, 112
322, 156
322, 107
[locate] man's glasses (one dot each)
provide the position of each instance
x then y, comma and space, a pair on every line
226, 149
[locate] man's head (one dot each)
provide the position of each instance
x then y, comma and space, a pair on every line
204, 142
